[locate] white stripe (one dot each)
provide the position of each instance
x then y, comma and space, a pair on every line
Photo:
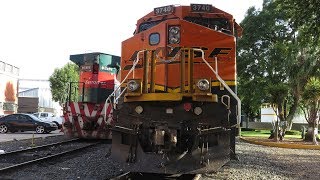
94, 112
94, 134
86, 110
109, 116
104, 109
80, 120
100, 119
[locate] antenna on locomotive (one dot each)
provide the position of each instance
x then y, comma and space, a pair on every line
225, 85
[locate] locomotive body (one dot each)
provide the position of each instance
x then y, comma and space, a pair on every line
86, 112
178, 112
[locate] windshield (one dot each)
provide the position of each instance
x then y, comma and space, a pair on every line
35, 118
147, 25
218, 24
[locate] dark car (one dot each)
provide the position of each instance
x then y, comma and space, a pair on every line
25, 122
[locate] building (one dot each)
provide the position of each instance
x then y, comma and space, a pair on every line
268, 114
9, 76
35, 96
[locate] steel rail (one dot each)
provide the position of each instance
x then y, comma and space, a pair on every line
58, 155
155, 176
38, 147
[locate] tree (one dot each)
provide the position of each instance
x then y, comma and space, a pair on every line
278, 94
9, 93
303, 14
60, 79
311, 107
277, 49
264, 54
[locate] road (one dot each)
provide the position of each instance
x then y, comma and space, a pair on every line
26, 135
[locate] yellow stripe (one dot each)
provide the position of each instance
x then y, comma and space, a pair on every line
154, 97
130, 97
177, 90
229, 83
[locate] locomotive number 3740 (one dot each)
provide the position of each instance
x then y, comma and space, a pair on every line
164, 10
201, 7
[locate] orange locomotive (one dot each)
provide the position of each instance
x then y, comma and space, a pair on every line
179, 109
87, 114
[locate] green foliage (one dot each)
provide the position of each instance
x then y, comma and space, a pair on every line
279, 47
311, 93
292, 132
303, 14
263, 53
266, 134
60, 79
247, 129
259, 133
277, 93
311, 101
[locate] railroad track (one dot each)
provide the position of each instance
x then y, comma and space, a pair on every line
155, 176
222, 173
15, 160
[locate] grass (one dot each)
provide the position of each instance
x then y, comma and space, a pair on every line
266, 133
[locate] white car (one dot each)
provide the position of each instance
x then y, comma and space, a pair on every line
47, 116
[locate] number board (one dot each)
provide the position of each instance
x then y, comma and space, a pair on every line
201, 7
86, 68
163, 10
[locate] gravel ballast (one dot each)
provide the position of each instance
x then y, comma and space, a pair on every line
255, 162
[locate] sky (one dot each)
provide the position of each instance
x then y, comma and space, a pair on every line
38, 36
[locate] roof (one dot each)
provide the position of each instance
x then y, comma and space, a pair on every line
79, 59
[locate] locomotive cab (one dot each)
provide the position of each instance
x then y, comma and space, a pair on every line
98, 73
87, 114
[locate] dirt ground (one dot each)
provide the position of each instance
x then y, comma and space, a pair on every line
288, 141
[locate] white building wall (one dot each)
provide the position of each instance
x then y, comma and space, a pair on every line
30, 93
40, 89
8, 75
267, 113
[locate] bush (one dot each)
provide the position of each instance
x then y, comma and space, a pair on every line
292, 132
247, 129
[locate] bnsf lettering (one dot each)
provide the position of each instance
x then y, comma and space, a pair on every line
173, 52
218, 51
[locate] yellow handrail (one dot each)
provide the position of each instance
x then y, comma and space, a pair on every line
225, 85
135, 62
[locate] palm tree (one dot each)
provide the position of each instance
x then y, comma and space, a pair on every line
311, 107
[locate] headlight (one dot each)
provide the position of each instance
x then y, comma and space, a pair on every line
174, 35
132, 85
203, 84
197, 110
139, 109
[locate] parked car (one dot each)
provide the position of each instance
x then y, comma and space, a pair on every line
47, 116
25, 122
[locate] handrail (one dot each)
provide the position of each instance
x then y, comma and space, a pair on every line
135, 62
223, 83
70, 90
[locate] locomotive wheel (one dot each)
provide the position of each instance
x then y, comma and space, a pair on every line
40, 129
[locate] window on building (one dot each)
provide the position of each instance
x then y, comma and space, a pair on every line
9, 107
